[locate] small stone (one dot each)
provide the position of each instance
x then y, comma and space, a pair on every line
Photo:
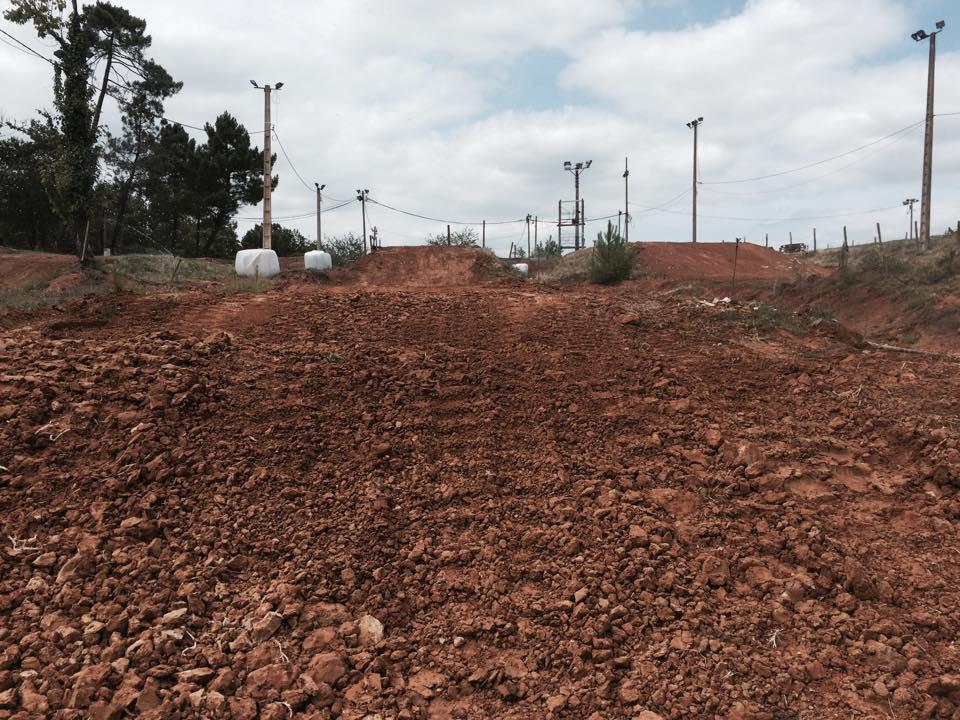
174, 617
269, 681
371, 630
326, 668
647, 715
880, 690
581, 594
47, 560
197, 676
265, 627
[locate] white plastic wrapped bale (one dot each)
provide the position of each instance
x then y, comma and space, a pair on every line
317, 260
257, 263
522, 268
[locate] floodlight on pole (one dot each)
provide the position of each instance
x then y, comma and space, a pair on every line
694, 125
578, 220
267, 172
319, 211
920, 35
362, 197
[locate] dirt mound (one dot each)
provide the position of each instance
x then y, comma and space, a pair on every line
700, 261
19, 270
487, 502
714, 261
428, 266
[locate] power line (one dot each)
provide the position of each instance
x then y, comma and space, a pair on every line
818, 162
782, 219
55, 64
290, 162
816, 177
301, 216
440, 220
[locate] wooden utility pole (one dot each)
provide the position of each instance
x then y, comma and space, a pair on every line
626, 200
814, 239
267, 177
319, 204
928, 135
910, 202
483, 236
448, 235
528, 235
362, 197
879, 236
695, 124
536, 224
766, 239
845, 236
736, 256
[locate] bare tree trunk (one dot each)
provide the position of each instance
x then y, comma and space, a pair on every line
103, 88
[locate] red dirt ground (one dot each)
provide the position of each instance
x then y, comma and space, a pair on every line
473, 502
714, 261
427, 267
20, 270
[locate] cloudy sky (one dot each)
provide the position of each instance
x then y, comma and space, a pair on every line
466, 111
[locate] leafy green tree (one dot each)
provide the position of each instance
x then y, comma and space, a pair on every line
467, 237
127, 155
344, 249
66, 138
229, 174
169, 188
612, 258
284, 241
549, 248
26, 218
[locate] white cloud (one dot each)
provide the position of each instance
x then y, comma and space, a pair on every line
401, 98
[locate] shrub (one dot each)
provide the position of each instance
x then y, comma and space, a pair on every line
612, 259
345, 249
879, 263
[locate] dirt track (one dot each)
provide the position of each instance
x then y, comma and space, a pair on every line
577, 504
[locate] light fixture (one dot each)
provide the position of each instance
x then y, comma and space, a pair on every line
566, 164
920, 35
279, 85
254, 83
940, 24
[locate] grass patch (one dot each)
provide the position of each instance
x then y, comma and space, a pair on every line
167, 269
236, 284
34, 297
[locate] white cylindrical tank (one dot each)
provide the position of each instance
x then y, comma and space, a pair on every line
522, 268
317, 260
257, 263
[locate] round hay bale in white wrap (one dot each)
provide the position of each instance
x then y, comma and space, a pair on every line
257, 263
317, 260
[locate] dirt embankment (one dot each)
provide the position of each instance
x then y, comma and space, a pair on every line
676, 261
491, 502
19, 271
428, 266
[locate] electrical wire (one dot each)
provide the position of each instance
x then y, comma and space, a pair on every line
780, 219
55, 64
290, 162
818, 162
301, 216
816, 177
440, 220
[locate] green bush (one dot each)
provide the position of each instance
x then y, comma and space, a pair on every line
612, 259
880, 263
344, 249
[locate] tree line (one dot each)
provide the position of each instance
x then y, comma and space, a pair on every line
69, 184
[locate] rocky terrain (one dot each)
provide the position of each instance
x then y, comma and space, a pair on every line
472, 502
